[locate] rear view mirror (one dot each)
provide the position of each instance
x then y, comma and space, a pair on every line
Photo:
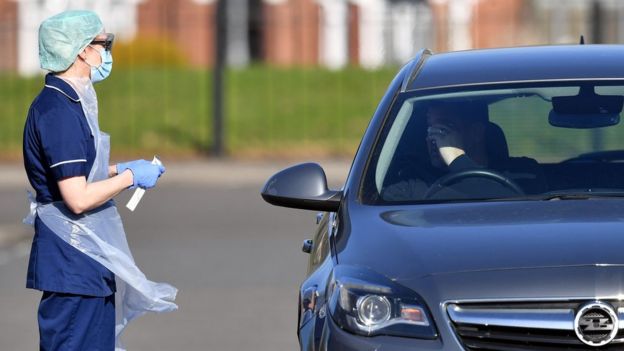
586, 110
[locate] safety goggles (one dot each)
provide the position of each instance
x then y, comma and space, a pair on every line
106, 43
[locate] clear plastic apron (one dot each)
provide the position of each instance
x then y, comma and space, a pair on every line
100, 235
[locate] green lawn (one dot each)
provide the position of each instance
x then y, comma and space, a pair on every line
268, 110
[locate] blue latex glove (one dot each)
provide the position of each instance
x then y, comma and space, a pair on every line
144, 173
122, 166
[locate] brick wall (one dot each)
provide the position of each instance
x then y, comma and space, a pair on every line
186, 23
286, 33
8, 35
354, 34
497, 23
440, 14
291, 31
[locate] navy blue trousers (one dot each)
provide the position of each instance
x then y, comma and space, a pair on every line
69, 322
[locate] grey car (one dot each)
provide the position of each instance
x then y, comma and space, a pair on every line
498, 226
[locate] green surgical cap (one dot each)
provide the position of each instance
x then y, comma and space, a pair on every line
62, 37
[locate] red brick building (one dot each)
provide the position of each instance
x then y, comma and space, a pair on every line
8, 35
187, 23
333, 33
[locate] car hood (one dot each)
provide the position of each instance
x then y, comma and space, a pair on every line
433, 240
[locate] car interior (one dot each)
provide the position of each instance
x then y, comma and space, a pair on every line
594, 171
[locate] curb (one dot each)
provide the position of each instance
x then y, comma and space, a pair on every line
213, 172
236, 173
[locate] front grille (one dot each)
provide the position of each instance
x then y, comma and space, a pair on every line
523, 326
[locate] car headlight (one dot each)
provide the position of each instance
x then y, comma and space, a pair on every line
367, 303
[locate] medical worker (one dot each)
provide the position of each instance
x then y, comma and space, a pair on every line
79, 254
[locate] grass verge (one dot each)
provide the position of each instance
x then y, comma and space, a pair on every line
268, 110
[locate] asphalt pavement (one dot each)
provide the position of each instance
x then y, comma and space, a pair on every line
236, 260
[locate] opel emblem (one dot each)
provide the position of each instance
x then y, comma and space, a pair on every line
596, 323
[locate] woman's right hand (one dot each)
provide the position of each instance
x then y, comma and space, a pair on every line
144, 173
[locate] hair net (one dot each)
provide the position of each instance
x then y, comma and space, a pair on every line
62, 37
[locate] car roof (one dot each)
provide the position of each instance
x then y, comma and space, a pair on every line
519, 64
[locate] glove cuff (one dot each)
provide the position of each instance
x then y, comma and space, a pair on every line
134, 179
120, 167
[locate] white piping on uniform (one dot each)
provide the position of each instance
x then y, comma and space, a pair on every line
62, 92
68, 161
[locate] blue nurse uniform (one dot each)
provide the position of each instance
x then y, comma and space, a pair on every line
77, 310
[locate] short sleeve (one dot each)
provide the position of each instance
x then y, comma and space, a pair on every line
64, 143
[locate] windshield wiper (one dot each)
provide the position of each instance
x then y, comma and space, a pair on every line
566, 196
537, 197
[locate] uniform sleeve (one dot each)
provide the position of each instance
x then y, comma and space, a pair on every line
64, 143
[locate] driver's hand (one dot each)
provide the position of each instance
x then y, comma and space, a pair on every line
447, 140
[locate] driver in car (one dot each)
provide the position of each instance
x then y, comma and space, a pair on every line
450, 135
460, 138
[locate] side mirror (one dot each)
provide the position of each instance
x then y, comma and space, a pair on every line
302, 186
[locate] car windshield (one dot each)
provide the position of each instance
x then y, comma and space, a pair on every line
500, 142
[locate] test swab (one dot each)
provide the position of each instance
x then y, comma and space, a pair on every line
139, 192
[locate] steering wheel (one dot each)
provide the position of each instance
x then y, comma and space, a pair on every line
470, 173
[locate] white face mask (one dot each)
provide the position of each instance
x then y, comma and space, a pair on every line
101, 72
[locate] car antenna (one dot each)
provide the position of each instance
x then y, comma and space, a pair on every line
582, 40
